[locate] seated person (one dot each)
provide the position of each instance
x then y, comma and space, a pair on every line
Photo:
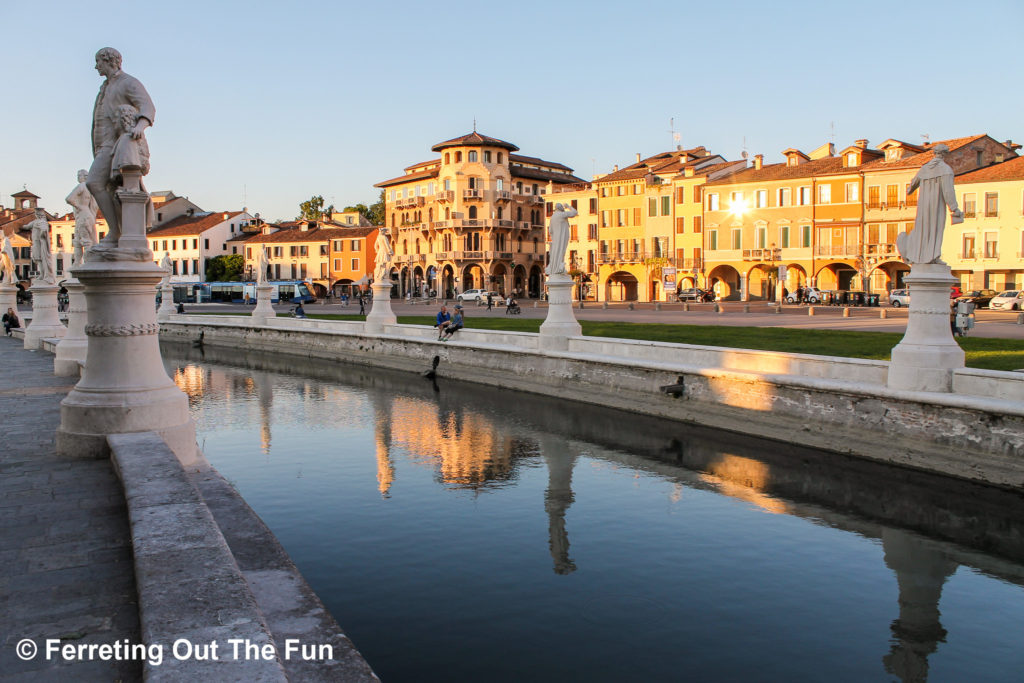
442, 321
454, 325
10, 321
180, 308
300, 312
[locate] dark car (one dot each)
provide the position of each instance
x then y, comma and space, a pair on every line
695, 294
978, 297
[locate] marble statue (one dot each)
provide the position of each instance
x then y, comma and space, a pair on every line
935, 180
383, 256
7, 263
109, 128
559, 229
42, 257
165, 265
85, 219
261, 267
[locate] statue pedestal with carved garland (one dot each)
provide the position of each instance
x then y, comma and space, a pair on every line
925, 358
380, 311
560, 323
72, 348
46, 322
166, 310
124, 387
264, 311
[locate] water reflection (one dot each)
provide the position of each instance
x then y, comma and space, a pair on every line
480, 439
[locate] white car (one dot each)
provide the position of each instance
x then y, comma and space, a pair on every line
811, 295
1010, 300
477, 295
899, 297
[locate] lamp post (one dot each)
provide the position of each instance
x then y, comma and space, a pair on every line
774, 255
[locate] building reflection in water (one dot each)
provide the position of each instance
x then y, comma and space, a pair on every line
477, 449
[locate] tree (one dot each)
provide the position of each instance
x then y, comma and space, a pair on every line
313, 209
373, 213
226, 268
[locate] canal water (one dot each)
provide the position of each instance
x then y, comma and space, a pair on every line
467, 533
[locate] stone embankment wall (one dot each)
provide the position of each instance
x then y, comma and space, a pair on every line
835, 404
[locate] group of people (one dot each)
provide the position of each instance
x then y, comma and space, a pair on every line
447, 324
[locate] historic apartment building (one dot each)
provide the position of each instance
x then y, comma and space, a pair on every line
191, 240
473, 218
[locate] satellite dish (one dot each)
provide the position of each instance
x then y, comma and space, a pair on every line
744, 154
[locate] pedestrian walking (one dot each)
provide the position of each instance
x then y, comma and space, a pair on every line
362, 305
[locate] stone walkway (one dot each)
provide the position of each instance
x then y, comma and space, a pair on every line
65, 550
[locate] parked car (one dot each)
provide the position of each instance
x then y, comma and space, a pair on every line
978, 297
695, 294
1010, 300
899, 297
477, 295
811, 295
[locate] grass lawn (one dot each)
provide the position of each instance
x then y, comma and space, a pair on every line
990, 354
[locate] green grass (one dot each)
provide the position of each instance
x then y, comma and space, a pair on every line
985, 353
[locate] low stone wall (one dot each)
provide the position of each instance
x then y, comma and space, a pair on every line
835, 404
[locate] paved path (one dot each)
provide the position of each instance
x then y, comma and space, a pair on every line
65, 548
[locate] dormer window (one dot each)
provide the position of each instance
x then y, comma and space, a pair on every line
892, 154
792, 161
851, 159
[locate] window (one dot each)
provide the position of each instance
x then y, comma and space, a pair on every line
573, 233
737, 238
697, 222
911, 198
500, 157
874, 197
805, 236
174, 245
472, 156
195, 266
60, 241
652, 207
697, 189
761, 199
337, 264
487, 157
174, 267
785, 196
499, 184
637, 220
165, 245
447, 160
430, 189
206, 243
824, 194
712, 239
970, 204
620, 190
592, 231
991, 204
968, 252
851, 159
60, 264
713, 202
447, 184
458, 157
195, 243
852, 193
666, 205
805, 195
991, 245
323, 250
761, 237
620, 217
892, 196
323, 269
783, 236
278, 252
593, 205
604, 191
680, 224
680, 195
735, 199
356, 245
304, 250
638, 189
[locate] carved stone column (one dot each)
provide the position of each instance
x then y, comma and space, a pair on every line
380, 310
71, 350
46, 322
124, 387
560, 323
925, 358
264, 310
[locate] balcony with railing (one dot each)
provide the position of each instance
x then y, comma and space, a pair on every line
502, 196
468, 255
523, 225
881, 249
503, 223
838, 250
612, 257
472, 194
445, 196
535, 199
440, 225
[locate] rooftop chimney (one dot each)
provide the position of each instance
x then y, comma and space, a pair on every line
862, 143
1011, 145
615, 168
638, 157
758, 161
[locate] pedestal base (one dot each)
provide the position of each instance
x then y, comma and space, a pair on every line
72, 348
560, 323
45, 323
124, 387
8, 297
166, 310
925, 358
380, 310
264, 310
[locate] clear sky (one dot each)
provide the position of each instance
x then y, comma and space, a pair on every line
266, 104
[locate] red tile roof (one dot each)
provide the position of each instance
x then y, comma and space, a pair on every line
519, 158
1012, 169
409, 177
474, 138
191, 225
312, 235
538, 174
662, 162
920, 159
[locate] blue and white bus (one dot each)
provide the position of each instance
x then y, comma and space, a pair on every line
293, 291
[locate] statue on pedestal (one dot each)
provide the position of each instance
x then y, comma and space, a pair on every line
108, 128
935, 180
7, 263
262, 264
559, 229
42, 257
383, 256
85, 219
165, 265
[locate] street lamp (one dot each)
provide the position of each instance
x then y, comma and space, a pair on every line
772, 255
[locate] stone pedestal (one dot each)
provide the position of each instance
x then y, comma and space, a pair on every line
72, 348
925, 358
166, 310
380, 311
8, 297
560, 323
124, 387
45, 323
264, 310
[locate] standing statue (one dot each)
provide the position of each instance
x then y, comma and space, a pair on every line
383, 256
7, 263
262, 264
935, 179
559, 229
165, 265
108, 125
42, 257
85, 219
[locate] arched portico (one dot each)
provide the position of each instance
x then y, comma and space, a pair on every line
724, 281
836, 275
621, 286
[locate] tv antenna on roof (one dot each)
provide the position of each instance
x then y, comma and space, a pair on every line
744, 152
676, 137
832, 130
925, 138
474, 124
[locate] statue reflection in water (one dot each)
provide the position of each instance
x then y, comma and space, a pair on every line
557, 499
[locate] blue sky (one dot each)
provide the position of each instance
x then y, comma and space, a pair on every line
268, 106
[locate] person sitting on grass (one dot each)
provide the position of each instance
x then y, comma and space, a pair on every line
442, 320
454, 325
